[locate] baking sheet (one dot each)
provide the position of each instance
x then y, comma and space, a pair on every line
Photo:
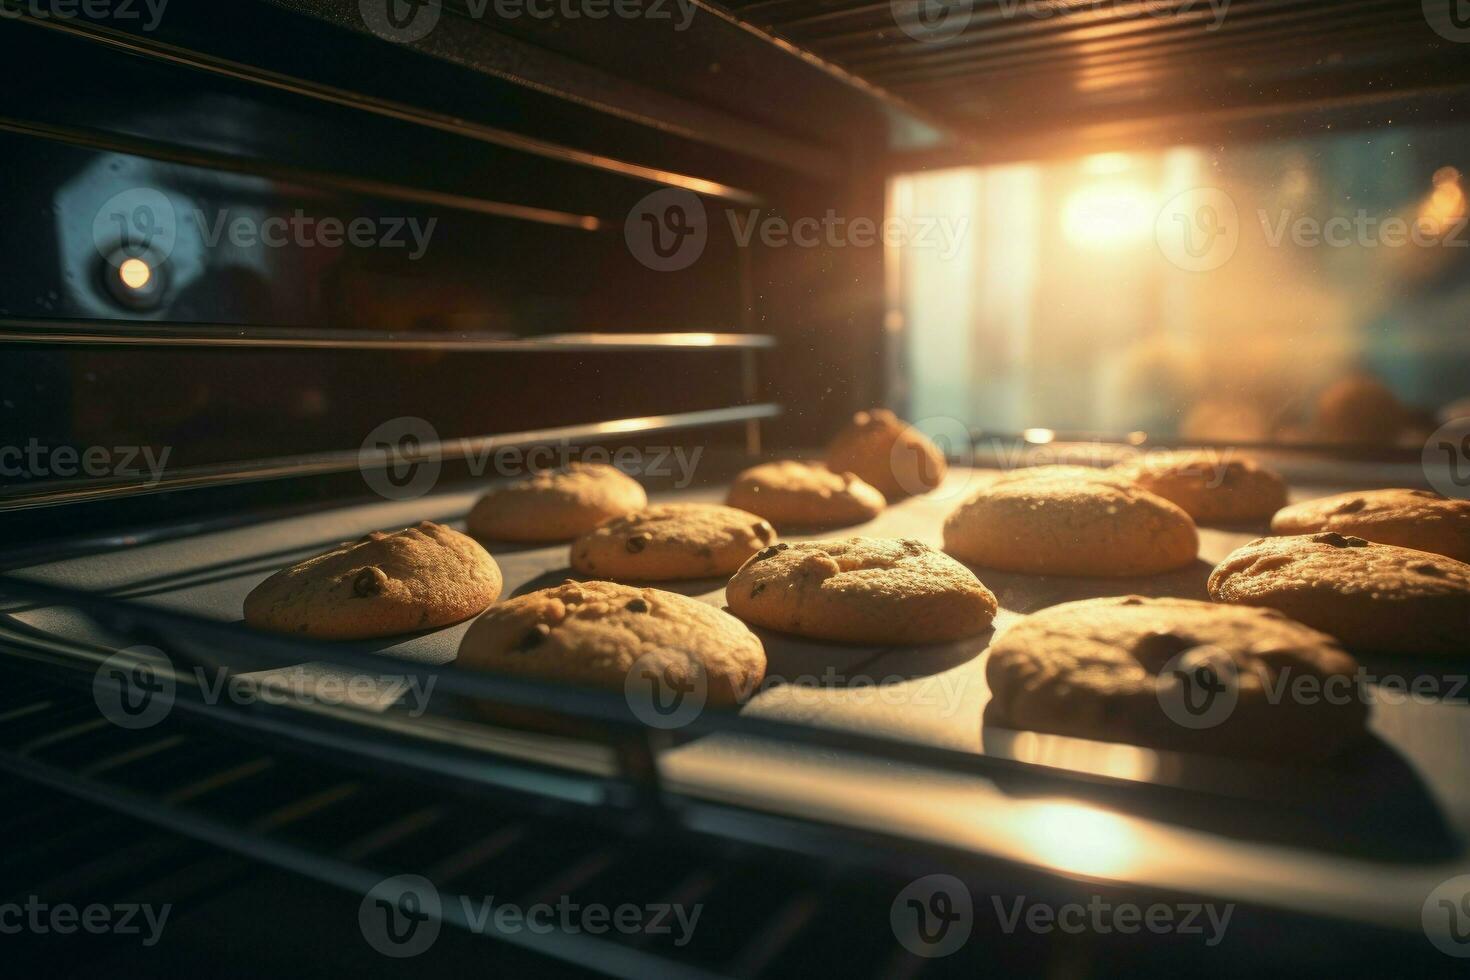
1402, 806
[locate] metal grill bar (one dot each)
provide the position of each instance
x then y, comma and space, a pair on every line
299, 176
135, 333
54, 493
160, 51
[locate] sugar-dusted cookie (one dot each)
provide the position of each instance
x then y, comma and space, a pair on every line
1176, 674
861, 590
1372, 597
792, 494
556, 505
893, 456
1212, 488
1418, 519
672, 541
1071, 527
379, 585
594, 633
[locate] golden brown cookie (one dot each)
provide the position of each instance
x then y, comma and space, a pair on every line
793, 494
672, 541
556, 505
861, 590
894, 457
1373, 597
1071, 527
1059, 471
379, 585
1212, 488
1418, 519
594, 633
1359, 409
1176, 674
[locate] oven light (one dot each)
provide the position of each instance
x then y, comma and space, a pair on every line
135, 273
1039, 437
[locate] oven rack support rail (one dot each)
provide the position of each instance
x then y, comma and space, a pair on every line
60, 492
395, 736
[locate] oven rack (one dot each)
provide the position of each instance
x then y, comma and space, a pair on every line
629, 774
158, 51
60, 492
274, 785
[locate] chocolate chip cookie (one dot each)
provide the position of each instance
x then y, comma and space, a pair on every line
793, 494
1176, 674
1074, 526
1373, 597
593, 633
556, 505
891, 455
861, 590
1418, 519
379, 585
1210, 487
672, 541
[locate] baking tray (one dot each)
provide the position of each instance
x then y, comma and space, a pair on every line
1366, 837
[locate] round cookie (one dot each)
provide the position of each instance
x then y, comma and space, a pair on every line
793, 494
896, 458
1058, 471
1373, 597
1209, 489
1418, 519
1175, 674
1359, 409
379, 585
1096, 527
672, 541
592, 633
556, 505
861, 590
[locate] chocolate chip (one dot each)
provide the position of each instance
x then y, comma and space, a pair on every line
637, 543
704, 551
532, 638
1339, 540
1425, 568
1156, 648
1352, 506
770, 552
637, 606
369, 581
757, 589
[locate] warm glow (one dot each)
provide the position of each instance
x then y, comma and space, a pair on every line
1077, 838
1102, 164
1110, 213
1039, 437
1445, 205
134, 273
